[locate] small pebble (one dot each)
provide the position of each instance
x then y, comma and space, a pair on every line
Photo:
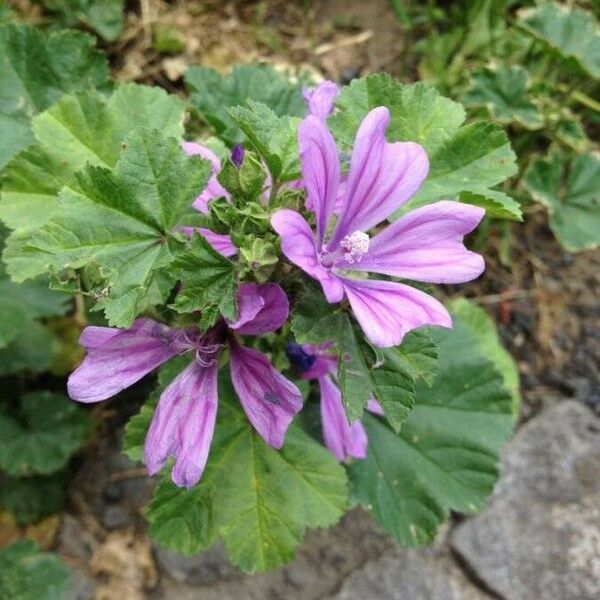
113, 492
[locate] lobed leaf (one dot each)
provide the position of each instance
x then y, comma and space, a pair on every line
571, 191
470, 158
446, 455
36, 69
51, 430
256, 499
29, 574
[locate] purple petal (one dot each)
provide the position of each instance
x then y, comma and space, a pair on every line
298, 244
374, 407
219, 241
387, 310
183, 425
261, 308
117, 358
237, 155
342, 439
268, 398
426, 245
320, 99
320, 169
213, 188
382, 176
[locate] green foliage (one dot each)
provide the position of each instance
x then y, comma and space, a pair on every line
504, 91
20, 305
122, 221
30, 499
388, 374
466, 161
571, 191
571, 33
27, 573
446, 455
41, 440
257, 500
273, 137
80, 130
105, 17
482, 328
35, 71
208, 279
213, 94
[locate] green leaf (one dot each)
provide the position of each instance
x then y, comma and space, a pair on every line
52, 428
394, 375
463, 158
446, 455
504, 91
572, 33
81, 129
138, 425
482, 327
105, 17
35, 71
273, 137
571, 191
30, 499
213, 94
207, 278
497, 204
256, 499
122, 221
21, 304
314, 320
418, 112
27, 573
35, 351
354, 377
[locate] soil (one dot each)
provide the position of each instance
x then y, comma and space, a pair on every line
545, 302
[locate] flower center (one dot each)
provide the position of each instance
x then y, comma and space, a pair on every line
206, 347
354, 246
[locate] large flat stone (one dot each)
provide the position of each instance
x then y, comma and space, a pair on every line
410, 575
540, 535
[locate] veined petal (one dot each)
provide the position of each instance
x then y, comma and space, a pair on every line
298, 244
320, 99
382, 176
268, 398
183, 425
374, 407
426, 245
342, 439
117, 358
320, 169
213, 188
220, 242
387, 310
261, 308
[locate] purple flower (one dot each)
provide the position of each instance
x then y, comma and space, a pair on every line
343, 439
184, 420
237, 155
320, 99
424, 245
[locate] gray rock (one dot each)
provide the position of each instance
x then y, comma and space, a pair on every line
410, 575
116, 516
209, 566
540, 536
81, 585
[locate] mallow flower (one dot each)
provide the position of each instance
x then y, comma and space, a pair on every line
424, 245
343, 439
183, 423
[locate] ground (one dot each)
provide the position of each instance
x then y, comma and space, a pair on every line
546, 307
